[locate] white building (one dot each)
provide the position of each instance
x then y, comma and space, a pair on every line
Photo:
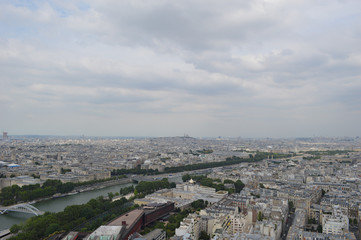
337, 223
238, 223
189, 226
271, 229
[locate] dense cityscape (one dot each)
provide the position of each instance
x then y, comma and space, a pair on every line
225, 188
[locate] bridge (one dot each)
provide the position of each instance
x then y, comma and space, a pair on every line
24, 208
177, 178
138, 179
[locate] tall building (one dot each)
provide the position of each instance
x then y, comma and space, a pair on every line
5, 136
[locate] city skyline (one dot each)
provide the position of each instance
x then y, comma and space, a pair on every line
258, 69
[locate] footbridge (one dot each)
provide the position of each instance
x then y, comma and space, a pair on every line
24, 208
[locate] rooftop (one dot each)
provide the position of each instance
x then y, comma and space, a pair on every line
127, 218
105, 233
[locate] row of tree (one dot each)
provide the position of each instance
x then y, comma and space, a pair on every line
198, 166
92, 182
144, 188
199, 152
258, 156
214, 183
318, 154
14, 194
312, 157
126, 190
122, 191
328, 152
137, 170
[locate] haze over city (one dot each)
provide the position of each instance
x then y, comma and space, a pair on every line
165, 68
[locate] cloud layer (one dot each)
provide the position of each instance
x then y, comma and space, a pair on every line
162, 68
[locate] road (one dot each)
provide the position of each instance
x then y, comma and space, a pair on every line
288, 225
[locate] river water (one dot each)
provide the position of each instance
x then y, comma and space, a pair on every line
57, 204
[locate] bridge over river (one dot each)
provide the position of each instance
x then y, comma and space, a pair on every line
24, 208
56, 204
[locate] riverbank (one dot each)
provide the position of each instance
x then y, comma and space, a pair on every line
102, 185
86, 188
81, 189
4, 234
58, 204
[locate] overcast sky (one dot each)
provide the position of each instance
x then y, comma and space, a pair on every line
257, 68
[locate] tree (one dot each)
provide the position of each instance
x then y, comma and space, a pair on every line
199, 204
290, 206
66, 187
260, 216
35, 176
110, 196
186, 177
319, 228
230, 191
159, 225
355, 221
204, 236
126, 190
52, 228
52, 183
323, 192
150, 187
239, 186
226, 181
311, 221
15, 228
64, 170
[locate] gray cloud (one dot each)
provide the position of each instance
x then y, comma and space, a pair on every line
245, 68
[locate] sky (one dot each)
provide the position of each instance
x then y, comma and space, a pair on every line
206, 68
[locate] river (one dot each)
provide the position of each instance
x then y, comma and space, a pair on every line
57, 204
